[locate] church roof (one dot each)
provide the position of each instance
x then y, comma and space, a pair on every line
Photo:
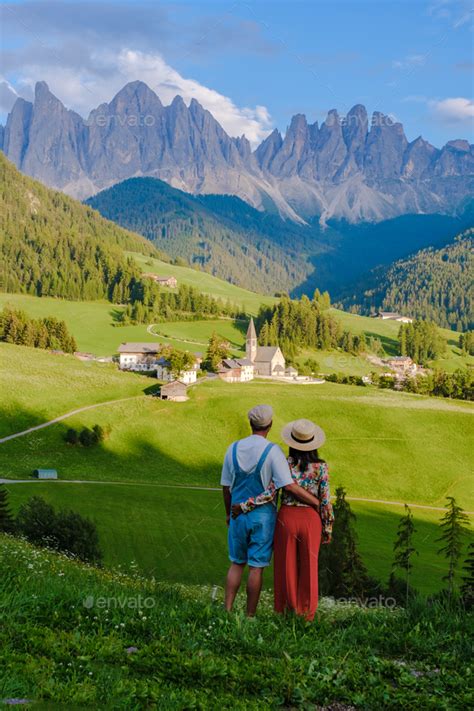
251, 332
265, 353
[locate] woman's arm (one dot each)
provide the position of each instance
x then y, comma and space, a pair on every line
269, 494
327, 515
264, 498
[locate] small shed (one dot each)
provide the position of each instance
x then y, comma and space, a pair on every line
46, 473
175, 391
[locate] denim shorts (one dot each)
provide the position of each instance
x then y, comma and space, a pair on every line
251, 536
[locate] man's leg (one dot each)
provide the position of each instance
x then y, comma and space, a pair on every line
254, 587
232, 585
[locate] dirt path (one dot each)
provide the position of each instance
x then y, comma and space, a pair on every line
65, 416
207, 488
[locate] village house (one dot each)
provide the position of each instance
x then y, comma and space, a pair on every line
402, 365
169, 281
175, 391
393, 316
141, 357
267, 360
236, 370
163, 372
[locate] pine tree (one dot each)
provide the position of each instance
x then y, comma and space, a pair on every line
347, 574
454, 526
7, 522
217, 350
467, 587
403, 546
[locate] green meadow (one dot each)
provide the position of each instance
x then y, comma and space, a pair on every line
381, 445
94, 325
179, 535
205, 282
387, 332
37, 386
77, 637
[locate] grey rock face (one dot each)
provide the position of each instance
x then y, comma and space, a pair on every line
344, 168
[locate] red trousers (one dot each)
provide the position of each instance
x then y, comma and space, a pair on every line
296, 550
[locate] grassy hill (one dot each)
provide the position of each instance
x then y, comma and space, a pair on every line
434, 284
204, 282
377, 448
113, 641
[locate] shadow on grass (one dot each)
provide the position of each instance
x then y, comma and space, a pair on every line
390, 345
179, 534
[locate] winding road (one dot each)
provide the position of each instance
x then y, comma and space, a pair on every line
60, 418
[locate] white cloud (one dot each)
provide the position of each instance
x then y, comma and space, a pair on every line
409, 62
106, 72
456, 110
8, 95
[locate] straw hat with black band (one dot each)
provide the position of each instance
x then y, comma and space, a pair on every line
303, 435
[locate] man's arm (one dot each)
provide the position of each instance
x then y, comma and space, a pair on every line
227, 500
299, 493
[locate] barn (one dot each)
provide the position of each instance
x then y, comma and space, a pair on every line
175, 391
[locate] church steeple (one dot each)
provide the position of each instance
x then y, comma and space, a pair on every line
251, 344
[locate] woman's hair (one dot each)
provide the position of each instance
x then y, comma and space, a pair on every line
304, 459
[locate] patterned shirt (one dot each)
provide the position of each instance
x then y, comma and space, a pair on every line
314, 479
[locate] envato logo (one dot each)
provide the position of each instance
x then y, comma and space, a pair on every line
379, 601
130, 120
378, 119
136, 602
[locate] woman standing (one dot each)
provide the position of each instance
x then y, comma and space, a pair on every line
300, 528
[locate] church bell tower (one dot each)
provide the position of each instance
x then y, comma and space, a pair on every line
251, 346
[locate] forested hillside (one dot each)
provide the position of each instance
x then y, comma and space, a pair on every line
224, 235
432, 284
258, 250
52, 245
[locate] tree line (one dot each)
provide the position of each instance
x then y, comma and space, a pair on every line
343, 573
432, 284
155, 304
54, 246
304, 323
458, 385
64, 531
421, 341
49, 332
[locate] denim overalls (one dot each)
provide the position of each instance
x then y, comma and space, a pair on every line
251, 534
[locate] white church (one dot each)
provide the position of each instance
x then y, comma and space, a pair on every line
266, 360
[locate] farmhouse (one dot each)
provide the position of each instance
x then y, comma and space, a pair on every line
266, 360
163, 372
169, 281
138, 356
401, 364
175, 391
236, 370
393, 316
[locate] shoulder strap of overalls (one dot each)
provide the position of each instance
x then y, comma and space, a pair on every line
263, 458
234, 458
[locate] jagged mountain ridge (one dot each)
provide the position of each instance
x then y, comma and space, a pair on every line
348, 168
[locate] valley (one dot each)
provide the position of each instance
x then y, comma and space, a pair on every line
375, 450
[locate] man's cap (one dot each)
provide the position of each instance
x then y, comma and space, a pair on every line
261, 416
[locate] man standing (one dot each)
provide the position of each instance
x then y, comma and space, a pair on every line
253, 466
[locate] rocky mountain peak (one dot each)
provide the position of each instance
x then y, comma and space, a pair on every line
346, 168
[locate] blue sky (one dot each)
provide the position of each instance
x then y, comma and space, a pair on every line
254, 64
